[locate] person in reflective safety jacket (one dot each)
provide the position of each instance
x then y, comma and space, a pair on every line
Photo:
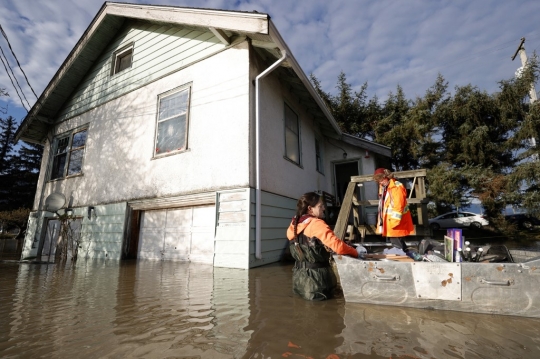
309, 237
394, 219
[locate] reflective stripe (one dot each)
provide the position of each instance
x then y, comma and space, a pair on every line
395, 215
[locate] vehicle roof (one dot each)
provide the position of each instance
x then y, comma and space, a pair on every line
444, 214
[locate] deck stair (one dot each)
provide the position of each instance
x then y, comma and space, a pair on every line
351, 227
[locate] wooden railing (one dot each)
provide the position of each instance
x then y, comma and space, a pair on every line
352, 203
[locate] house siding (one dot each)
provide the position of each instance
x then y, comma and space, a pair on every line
232, 229
276, 214
118, 164
274, 166
102, 235
303, 177
120, 173
157, 51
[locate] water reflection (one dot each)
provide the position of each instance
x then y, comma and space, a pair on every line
107, 309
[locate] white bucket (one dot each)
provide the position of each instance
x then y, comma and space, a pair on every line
371, 218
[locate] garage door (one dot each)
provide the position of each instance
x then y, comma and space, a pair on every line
178, 234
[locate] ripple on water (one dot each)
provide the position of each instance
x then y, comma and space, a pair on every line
107, 309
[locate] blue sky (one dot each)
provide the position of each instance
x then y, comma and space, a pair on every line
383, 42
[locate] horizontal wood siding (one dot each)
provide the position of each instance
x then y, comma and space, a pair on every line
276, 214
232, 230
157, 51
102, 236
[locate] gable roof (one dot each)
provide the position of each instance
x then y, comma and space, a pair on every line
224, 24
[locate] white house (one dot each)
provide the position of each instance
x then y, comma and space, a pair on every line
184, 134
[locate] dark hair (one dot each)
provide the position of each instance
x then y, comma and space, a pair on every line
309, 199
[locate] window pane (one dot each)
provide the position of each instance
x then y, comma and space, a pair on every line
62, 145
291, 120
173, 105
318, 158
171, 135
123, 61
58, 166
75, 162
79, 139
292, 141
291, 144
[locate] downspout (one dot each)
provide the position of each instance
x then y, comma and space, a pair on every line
258, 253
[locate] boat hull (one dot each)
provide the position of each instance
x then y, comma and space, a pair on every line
492, 288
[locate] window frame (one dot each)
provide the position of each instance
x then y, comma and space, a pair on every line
298, 135
120, 54
68, 153
186, 87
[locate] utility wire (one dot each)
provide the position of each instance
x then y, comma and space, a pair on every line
15, 87
15, 77
20, 67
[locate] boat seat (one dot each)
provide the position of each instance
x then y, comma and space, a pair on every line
498, 253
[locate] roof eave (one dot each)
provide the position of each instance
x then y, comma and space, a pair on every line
274, 34
236, 21
368, 145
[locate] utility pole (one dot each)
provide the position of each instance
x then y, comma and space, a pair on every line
523, 56
532, 91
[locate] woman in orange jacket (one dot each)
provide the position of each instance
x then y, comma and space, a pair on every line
309, 237
394, 219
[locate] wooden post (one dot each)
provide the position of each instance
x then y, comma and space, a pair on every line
351, 198
343, 219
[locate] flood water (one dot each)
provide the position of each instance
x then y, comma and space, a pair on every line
147, 309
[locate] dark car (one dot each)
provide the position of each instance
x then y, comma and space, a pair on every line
523, 220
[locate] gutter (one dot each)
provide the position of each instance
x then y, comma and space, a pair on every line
258, 253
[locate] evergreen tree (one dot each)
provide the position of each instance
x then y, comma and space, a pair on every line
19, 169
7, 128
474, 144
523, 182
349, 108
25, 174
7, 134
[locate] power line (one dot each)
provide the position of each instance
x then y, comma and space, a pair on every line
15, 87
15, 77
20, 67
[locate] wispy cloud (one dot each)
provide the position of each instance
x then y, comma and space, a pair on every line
385, 42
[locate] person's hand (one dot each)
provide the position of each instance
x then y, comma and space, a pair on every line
361, 250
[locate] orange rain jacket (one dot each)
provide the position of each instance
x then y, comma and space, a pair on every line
396, 216
315, 227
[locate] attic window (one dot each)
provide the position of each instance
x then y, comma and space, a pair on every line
122, 59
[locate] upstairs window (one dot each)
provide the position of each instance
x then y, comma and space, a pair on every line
122, 59
172, 122
292, 135
68, 154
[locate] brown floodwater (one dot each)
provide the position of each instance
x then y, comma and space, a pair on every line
147, 309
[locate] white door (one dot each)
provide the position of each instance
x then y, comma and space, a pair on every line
50, 241
178, 234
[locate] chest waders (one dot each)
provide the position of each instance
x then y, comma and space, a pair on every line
313, 278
